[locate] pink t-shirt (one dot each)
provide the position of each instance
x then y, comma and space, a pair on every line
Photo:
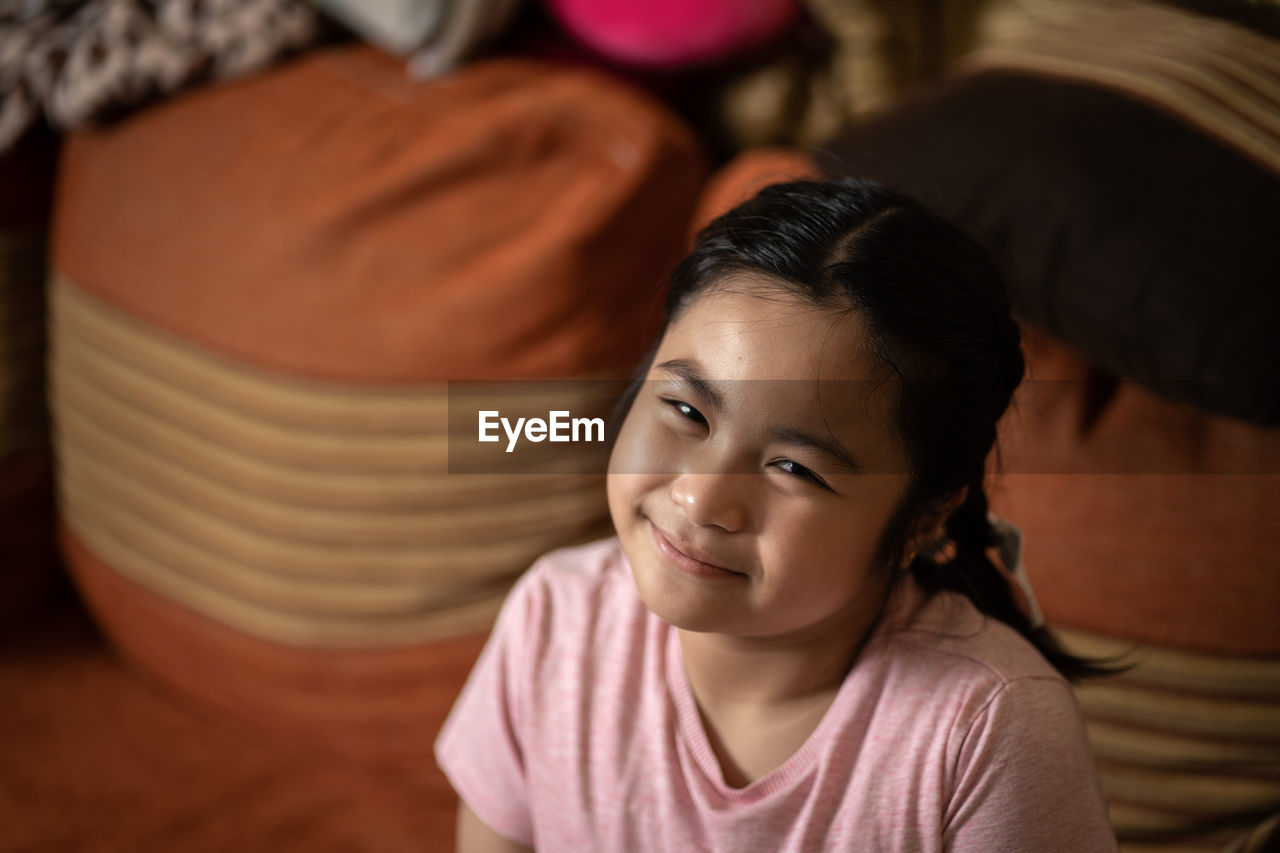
578, 731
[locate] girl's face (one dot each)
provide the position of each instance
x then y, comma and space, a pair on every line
758, 468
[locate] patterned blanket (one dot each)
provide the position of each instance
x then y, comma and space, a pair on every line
78, 61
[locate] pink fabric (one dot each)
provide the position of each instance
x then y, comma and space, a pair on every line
578, 731
672, 33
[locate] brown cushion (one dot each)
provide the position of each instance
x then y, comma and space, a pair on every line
1124, 171
261, 293
1186, 746
382, 705
334, 219
1144, 519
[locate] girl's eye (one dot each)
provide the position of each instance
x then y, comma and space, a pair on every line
797, 470
687, 411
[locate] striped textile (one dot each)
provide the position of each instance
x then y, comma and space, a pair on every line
310, 514
1219, 77
1187, 745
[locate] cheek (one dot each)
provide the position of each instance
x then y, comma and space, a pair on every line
644, 447
626, 480
839, 547
619, 490
826, 571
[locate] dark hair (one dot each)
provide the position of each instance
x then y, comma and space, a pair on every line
939, 318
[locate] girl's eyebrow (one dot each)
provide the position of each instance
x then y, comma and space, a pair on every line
831, 449
688, 372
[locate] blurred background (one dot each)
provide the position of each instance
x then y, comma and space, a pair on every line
246, 246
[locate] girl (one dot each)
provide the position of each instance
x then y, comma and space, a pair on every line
798, 640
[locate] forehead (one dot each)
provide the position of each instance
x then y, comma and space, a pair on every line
751, 328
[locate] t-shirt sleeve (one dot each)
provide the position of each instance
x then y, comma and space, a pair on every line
480, 745
1026, 779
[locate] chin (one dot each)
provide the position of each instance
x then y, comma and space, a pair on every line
677, 603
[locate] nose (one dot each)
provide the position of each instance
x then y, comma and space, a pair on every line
711, 500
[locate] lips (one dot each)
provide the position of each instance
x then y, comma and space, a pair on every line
687, 558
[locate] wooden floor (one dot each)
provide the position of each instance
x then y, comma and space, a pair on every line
94, 757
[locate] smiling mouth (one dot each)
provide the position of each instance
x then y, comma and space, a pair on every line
685, 562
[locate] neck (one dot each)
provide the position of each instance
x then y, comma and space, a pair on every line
766, 673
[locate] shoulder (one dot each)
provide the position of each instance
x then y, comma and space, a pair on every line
946, 629
953, 665
1003, 725
570, 595
513, 701
551, 624
576, 577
